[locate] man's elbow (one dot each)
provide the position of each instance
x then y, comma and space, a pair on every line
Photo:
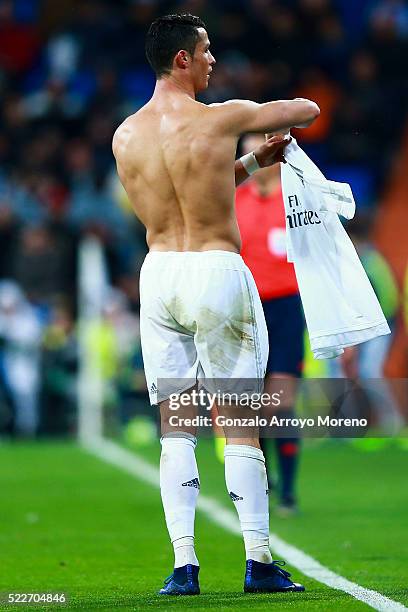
314, 110
311, 113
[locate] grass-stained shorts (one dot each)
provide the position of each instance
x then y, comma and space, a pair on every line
201, 318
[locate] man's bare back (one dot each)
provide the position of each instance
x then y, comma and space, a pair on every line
176, 156
178, 170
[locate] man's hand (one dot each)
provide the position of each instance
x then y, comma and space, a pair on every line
268, 153
272, 150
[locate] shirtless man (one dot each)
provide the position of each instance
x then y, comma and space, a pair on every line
201, 316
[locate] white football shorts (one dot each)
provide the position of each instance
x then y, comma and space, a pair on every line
201, 319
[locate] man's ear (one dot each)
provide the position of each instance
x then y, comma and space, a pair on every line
182, 59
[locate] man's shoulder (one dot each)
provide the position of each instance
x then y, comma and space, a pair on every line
230, 115
125, 132
235, 103
231, 108
129, 122
121, 136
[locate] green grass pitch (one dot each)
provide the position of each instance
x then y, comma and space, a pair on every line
69, 522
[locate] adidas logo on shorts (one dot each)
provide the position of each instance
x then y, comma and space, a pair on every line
235, 497
192, 483
153, 388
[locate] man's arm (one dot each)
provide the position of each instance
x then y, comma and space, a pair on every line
241, 116
241, 174
268, 153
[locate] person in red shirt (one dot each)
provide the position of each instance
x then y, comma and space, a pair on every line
261, 219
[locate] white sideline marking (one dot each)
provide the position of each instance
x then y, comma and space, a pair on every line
112, 453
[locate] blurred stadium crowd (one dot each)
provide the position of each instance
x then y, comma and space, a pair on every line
70, 71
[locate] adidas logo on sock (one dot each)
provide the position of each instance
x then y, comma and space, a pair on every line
153, 388
235, 497
192, 483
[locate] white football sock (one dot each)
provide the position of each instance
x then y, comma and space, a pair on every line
179, 486
184, 552
247, 485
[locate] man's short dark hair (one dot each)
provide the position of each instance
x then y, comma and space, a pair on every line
167, 36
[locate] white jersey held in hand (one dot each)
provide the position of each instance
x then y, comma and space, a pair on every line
340, 305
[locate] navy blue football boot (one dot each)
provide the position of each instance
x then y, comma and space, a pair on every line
183, 581
268, 578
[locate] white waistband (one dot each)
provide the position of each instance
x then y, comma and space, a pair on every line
197, 259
